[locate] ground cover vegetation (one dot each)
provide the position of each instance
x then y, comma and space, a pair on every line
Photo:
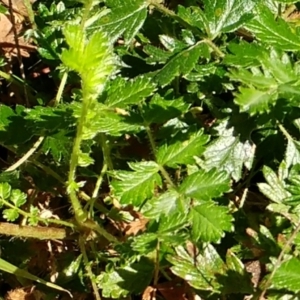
149, 149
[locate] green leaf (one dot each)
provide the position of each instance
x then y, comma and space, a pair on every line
254, 101
18, 198
292, 153
58, 145
5, 190
160, 110
131, 278
274, 188
182, 151
11, 269
10, 214
287, 275
125, 18
204, 185
226, 15
209, 222
198, 270
230, 151
191, 15
92, 58
137, 186
181, 64
123, 91
244, 54
166, 204
273, 31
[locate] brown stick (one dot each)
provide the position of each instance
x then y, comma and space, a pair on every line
37, 232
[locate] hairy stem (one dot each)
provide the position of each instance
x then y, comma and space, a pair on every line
88, 268
36, 232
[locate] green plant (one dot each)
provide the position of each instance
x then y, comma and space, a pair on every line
163, 138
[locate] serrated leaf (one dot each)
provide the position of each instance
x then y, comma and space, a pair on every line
287, 275
274, 188
10, 214
204, 185
273, 31
181, 64
209, 222
5, 190
186, 146
84, 159
192, 15
200, 270
244, 54
131, 278
229, 152
137, 186
124, 19
10, 123
160, 110
255, 101
18, 198
58, 145
145, 243
166, 204
34, 214
123, 91
292, 153
91, 57
226, 15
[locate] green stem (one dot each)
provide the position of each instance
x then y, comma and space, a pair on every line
285, 132
88, 268
106, 151
162, 8
163, 171
80, 214
214, 47
27, 215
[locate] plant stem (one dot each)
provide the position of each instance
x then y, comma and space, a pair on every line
156, 271
88, 268
26, 156
162, 8
163, 171
80, 214
28, 215
37, 232
214, 47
